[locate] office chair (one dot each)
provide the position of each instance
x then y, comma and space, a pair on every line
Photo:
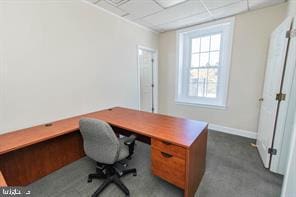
101, 144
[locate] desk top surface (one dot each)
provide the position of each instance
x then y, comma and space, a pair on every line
179, 131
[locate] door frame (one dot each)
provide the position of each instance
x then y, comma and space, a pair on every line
155, 76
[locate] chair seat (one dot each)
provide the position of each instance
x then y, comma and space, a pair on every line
124, 150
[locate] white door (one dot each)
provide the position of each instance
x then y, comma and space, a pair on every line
146, 61
287, 109
272, 86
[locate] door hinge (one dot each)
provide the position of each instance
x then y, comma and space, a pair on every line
152, 109
152, 85
152, 60
272, 151
291, 33
280, 97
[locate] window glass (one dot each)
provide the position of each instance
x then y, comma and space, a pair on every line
205, 44
195, 60
215, 42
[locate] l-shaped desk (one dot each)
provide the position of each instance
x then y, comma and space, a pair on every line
178, 146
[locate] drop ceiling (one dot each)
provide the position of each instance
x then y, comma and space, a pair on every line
165, 15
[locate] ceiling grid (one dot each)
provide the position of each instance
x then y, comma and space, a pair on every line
165, 15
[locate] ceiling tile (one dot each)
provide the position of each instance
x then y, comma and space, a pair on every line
140, 8
143, 23
189, 8
92, 1
254, 4
111, 8
185, 22
166, 3
214, 4
116, 2
230, 10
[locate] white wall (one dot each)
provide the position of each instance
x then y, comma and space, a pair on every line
250, 45
59, 59
292, 8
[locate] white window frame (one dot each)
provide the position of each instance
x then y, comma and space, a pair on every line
224, 26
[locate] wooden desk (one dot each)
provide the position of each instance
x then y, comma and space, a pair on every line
178, 146
2, 181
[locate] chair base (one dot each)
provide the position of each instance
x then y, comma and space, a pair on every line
111, 175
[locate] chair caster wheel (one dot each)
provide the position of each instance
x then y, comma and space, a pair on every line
89, 180
135, 174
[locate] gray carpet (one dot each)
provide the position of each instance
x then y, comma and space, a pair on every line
233, 169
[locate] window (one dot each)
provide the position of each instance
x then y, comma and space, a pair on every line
203, 67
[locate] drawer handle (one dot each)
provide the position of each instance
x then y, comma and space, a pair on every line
166, 143
166, 155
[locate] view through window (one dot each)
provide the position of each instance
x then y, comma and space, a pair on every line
205, 61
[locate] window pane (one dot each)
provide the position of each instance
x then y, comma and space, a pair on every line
215, 42
212, 75
211, 90
215, 58
202, 81
195, 60
192, 91
195, 45
205, 44
204, 59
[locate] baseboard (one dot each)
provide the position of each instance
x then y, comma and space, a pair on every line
233, 131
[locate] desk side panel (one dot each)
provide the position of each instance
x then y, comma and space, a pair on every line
196, 163
24, 166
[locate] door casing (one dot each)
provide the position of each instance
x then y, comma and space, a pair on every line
155, 76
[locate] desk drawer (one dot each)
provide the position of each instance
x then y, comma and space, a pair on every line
169, 148
168, 167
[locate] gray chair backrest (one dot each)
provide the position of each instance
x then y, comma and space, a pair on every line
99, 140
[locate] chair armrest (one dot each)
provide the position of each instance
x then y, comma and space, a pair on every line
130, 140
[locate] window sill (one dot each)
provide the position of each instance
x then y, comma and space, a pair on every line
209, 106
